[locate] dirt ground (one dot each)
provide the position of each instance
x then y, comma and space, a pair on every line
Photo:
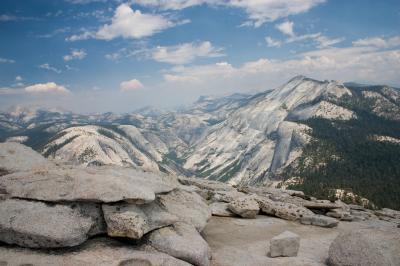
245, 242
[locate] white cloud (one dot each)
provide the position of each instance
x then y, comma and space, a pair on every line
54, 33
5, 60
84, 35
130, 85
286, 28
185, 53
327, 42
363, 64
49, 87
172, 4
378, 42
39, 88
179, 78
177, 54
7, 18
272, 42
78, 54
258, 11
320, 40
18, 78
130, 24
300, 38
47, 66
99, 14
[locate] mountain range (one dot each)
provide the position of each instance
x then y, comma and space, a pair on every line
324, 137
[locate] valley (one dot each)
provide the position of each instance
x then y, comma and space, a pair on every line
326, 134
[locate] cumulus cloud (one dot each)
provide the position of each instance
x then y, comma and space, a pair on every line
378, 42
49, 87
185, 53
130, 85
129, 24
132, 24
47, 66
259, 12
6, 61
75, 54
286, 28
39, 88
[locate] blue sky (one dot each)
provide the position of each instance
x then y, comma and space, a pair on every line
98, 56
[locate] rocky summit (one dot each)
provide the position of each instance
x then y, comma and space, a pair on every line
53, 213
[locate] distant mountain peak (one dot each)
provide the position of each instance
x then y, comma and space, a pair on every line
297, 78
300, 87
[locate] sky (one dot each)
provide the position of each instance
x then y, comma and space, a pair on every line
92, 56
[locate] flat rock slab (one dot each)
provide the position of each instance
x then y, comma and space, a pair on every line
340, 214
221, 209
286, 244
225, 196
181, 241
102, 184
265, 191
15, 157
96, 252
188, 206
287, 211
320, 205
39, 225
319, 220
246, 207
385, 212
133, 221
206, 184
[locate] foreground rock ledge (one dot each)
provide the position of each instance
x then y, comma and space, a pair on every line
101, 184
96, 252
40, 225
